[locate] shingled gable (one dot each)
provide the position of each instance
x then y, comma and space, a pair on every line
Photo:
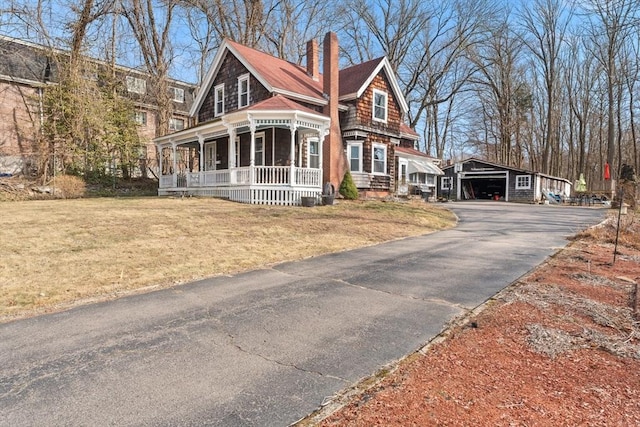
356, 79
276, 75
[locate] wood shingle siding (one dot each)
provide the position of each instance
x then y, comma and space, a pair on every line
228, 74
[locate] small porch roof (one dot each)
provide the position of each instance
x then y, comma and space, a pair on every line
416, 166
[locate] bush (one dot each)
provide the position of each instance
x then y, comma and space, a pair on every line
348, 187
68, 187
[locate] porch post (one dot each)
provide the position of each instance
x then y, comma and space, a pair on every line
252, 154
232, 156
292, 149
174, 164
201, 157
321, 133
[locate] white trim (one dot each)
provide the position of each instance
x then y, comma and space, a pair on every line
523, 186
374, 105
241, 79
373, 159
360, 150
216, 100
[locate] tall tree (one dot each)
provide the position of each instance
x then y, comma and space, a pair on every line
150, 22
546, 23
612, 23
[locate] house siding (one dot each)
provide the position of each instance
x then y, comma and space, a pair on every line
230, 69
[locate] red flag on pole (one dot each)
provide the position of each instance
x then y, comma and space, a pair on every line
607, 171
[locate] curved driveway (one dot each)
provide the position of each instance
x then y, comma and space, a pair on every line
267, 347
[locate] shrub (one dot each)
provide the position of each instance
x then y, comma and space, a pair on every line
348, 187
68, 186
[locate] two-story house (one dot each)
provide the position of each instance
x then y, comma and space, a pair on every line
270, 131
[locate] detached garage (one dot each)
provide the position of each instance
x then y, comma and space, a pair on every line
475, 179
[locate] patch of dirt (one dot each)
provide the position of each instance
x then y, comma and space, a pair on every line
560, 347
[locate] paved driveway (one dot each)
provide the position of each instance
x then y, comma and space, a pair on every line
265, 348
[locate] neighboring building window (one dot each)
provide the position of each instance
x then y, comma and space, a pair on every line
140, 117
177, 94
445, 183
243, 91
523, 182
259, 153
379, 106
379, 159
354, 153
314, 153
136, 85
176, 124
218, 93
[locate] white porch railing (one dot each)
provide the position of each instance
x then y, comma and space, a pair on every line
258, 175
308, 177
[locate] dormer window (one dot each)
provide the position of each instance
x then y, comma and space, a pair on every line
177, 94
379, 106
136, 85
243, 91
218, 93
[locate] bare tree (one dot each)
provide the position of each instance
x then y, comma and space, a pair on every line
150, 23
501, 83
546, 23
612, 23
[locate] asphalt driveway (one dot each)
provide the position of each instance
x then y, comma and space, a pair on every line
267, 347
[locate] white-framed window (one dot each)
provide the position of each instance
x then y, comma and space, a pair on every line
354, 154
431, 180
259, 152
210, 156
176, 124
445, 183
243, 91
523, 182
136, 85
140, 117
218, 95
380, 101
403, 166
177, 94
313, 159
379, 159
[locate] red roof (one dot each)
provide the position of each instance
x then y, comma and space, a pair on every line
280, 103
279, 73
352, 78
412, 151
404, 128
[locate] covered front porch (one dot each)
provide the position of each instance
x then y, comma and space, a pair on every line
252, 156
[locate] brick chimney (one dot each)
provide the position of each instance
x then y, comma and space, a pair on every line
313, 68
334, 162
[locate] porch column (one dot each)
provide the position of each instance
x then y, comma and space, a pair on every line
321, 134
201, 153
252, 154
174, 164
232, 155
292, 151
